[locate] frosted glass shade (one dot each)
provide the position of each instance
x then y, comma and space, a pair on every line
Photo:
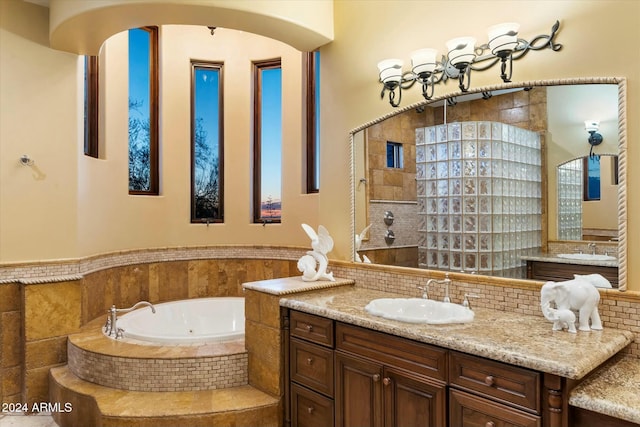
461, 50
503, 37
423, 60
592, 125
390, 70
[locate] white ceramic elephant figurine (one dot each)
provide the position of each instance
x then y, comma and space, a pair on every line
563, 319
574, 294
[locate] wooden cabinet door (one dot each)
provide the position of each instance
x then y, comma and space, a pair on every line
358, 392
413, 401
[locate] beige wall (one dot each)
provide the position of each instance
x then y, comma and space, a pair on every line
38, 218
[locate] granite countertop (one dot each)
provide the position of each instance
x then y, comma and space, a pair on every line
517, 339
558, 260
613, 390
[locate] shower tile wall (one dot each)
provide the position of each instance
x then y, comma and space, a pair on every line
479, 197
570, 200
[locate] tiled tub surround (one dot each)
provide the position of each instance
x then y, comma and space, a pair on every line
57, 298
119, 364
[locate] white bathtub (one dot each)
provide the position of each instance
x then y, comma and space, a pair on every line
190, 321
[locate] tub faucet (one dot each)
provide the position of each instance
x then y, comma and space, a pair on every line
592, 246
110, 327
446, 281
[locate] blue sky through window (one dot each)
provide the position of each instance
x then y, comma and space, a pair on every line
271, 134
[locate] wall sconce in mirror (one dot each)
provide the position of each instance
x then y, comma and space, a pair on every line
463, 56
388, 218
592, 126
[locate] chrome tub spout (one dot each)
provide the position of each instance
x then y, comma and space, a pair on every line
110, 327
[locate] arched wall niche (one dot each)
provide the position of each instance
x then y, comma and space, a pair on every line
82, 27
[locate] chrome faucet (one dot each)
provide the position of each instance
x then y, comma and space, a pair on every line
446, 281
110, 327
592, 246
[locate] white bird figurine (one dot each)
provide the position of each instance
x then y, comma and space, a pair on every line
322, 244
359, 238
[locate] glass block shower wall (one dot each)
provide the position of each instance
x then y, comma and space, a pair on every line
479, 197
570, 200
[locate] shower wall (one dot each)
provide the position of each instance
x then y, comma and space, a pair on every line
479, 197
570, 200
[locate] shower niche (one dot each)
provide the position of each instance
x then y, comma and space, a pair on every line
479, 197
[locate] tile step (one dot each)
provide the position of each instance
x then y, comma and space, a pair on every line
96, 405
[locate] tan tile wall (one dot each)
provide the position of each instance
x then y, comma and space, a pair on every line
167, 374
11, 355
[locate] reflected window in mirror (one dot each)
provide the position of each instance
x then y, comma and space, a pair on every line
394, 155
591, 178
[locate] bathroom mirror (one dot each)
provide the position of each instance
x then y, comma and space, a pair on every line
555, 110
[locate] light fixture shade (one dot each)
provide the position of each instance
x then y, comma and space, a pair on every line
390, 70
592, 125
423, 60
503, 37
461, 50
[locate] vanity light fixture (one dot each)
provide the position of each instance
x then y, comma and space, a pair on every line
592, 126
463, 56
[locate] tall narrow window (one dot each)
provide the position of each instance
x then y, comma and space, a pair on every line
313, 121
91, 106
206, 142
143, 111
267, 142
591, 174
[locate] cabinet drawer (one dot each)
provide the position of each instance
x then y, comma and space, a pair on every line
510, 384
469, 410
413, 356
312, 365
309, 409
312, 328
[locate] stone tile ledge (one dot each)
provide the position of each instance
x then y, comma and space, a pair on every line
612, 390
292, 285
517, 339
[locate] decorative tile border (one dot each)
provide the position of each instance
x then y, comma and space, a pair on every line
65, 270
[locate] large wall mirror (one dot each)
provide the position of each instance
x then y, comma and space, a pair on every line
490, 181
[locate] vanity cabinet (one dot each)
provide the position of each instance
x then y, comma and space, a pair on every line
349, 376
384, 381
557, 271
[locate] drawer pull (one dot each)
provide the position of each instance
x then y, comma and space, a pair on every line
310, 361
310, 410
309, 328
489, 380
386, 381
490, 424
376, 378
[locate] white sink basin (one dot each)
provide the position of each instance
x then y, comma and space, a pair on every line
419, 310
588, 257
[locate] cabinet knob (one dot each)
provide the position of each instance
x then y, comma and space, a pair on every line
489, 380
309, 328
386, 381
490, 424
310, 410
310, 361
376, 378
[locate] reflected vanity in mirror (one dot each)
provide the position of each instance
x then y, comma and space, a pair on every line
482, 186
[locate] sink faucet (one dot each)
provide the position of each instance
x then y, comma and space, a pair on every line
446, 281
592, 246
110, 327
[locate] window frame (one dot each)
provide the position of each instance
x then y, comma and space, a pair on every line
312, 122
91, 105
154, 187
258, 66
195, 64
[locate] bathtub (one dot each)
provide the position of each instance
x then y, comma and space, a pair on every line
199, 320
